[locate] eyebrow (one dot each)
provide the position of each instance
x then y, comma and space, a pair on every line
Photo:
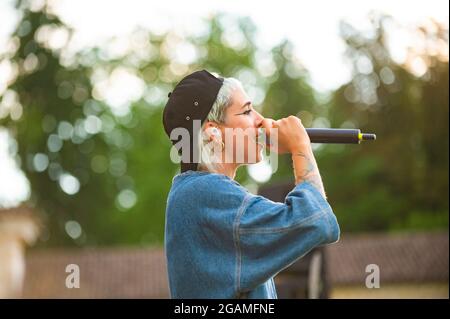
246, 103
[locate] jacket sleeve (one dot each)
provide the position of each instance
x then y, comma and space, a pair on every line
270, 236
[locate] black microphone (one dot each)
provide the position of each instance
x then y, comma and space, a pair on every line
338, 136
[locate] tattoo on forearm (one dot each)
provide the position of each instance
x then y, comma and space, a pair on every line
309, 168
310, 173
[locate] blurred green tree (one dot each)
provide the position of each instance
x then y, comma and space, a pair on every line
101, 176
61, 140
101, 172
404, 174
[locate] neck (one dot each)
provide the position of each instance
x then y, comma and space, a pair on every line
229, 169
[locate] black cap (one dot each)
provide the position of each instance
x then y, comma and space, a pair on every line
191, 99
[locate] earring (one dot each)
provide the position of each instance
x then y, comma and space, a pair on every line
215, 132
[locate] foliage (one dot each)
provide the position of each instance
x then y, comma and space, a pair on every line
101, 174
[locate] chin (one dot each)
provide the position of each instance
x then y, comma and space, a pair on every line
258, 155
258, 158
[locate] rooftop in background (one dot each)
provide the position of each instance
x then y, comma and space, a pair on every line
421, 257
141, 272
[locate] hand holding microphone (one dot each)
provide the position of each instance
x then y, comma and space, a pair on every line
291, 137
288, 135
292, 134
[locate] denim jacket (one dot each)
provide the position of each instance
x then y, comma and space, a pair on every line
221, 241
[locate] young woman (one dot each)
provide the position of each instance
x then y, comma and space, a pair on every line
221, 241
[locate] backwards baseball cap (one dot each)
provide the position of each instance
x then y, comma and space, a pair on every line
191, 99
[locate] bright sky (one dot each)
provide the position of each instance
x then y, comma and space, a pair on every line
303, 23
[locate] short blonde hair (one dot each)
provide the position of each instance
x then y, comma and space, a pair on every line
208, 161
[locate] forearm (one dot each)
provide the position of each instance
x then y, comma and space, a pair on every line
306, 169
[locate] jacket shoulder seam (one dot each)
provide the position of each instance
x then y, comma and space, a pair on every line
262, 230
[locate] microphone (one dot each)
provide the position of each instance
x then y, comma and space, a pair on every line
338, 136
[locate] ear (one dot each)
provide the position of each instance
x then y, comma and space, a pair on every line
213, 130
209, 125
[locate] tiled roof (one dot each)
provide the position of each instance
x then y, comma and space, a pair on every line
104, 273
141, 272
408, 257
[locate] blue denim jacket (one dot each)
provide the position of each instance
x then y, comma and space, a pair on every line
221, 241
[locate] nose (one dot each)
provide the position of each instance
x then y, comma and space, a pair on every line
258, 119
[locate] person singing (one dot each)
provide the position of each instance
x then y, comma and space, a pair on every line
221, 241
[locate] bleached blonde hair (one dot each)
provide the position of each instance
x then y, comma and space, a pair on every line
208, 160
